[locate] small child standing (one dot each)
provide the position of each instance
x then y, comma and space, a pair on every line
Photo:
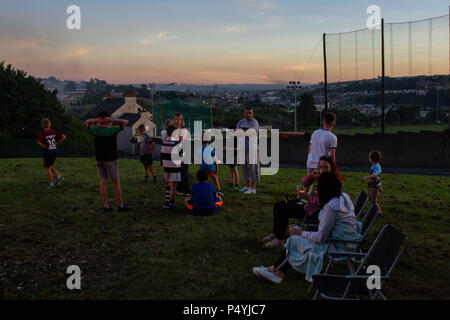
203, 200
207, 156
374, 179
146, 148
49, 139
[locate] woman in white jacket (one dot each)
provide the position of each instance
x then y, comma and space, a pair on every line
305, 251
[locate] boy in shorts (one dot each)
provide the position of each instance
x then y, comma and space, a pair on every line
49, 139
146, 148
374, 179
105, 130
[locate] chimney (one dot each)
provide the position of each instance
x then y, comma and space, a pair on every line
107, 95
130, 97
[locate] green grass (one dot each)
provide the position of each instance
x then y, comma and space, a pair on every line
150, 253
394, 129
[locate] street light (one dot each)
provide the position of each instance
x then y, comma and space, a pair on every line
159, 100
294, 85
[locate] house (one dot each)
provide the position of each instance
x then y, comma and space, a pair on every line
126, 108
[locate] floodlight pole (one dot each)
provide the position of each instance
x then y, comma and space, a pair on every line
383, 80
325, 75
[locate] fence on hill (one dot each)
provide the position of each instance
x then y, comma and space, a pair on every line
403, 49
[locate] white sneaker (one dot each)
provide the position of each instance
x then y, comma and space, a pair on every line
245, 188
250, 191
266, 274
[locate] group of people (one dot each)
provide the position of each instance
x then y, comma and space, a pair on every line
320, 197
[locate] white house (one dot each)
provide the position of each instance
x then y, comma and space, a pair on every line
126, 108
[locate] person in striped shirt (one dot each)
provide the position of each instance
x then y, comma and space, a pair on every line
172, 170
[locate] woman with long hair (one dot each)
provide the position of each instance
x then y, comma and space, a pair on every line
305, 251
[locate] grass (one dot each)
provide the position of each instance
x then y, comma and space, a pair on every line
150, 253
393, 129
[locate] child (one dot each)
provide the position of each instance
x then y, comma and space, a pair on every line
49, 140
146, 148
322, 143
207, 155
105, 130
203, 200
234, 173
172, 170
374, 179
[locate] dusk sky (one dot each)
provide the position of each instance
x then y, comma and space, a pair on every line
186, 41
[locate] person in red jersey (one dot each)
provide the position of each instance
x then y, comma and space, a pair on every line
49, 140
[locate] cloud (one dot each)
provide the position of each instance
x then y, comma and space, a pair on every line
153, 38
77, 52
257, 4
28, 43
234, 28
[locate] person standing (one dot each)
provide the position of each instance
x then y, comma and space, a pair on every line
49, 140
105, 130
322, 143
250, 171
184, 187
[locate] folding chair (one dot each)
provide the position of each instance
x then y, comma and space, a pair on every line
367, 222
360, 203
383, 253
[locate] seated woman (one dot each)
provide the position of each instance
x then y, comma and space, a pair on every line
305, 251
283, 210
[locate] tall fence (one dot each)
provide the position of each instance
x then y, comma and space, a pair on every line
406, 49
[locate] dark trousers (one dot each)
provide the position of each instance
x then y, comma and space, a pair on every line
184, 186
282, 211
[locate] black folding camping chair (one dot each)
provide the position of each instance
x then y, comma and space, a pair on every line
384, 254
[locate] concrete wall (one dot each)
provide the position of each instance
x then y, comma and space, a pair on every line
425, 149
404, 149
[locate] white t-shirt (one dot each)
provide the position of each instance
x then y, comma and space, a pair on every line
321, 143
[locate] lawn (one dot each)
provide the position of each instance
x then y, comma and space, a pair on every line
149, 253
394, 129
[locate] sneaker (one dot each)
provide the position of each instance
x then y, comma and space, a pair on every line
275, 243
166, 205
51, 187
236, 187
230, 185
146, 179
106, 210
172, 206
123, 208
244, 189
266, 274
59, 180
250, 191
220, 193
268, 238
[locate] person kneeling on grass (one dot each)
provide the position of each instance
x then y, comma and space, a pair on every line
305, 251
203, 200
105, 130
49, 140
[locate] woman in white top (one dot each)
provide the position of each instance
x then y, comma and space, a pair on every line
184, 186
305, 251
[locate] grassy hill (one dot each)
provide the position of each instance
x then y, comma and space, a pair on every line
150, 253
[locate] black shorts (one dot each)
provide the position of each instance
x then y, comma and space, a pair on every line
146, 159
49, 158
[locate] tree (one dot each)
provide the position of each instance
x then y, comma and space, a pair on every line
307, 114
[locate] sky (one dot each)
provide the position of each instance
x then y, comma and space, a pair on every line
195, 41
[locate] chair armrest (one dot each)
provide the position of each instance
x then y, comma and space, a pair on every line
342, 240
363, 276
336, 254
